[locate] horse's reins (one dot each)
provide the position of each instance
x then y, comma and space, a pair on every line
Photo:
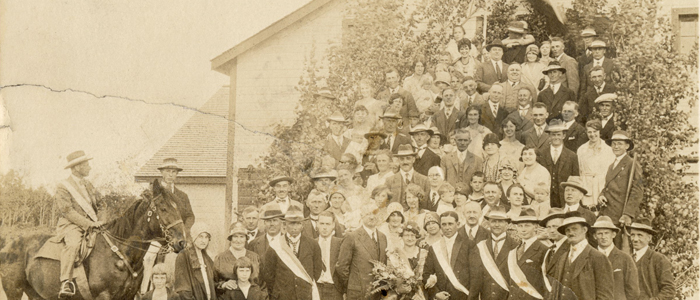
106, 235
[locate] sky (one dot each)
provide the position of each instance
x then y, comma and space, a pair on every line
113, 78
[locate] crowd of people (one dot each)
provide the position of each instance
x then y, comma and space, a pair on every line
504, 177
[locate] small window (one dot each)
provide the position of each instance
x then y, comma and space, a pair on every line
685, 24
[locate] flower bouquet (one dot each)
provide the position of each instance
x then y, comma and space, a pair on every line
395, 282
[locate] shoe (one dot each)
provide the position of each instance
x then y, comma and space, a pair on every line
67, 289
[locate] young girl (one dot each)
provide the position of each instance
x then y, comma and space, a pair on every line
245, 290
461, 194
159, 278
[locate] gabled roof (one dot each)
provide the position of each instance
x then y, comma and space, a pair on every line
221, 62
199, 146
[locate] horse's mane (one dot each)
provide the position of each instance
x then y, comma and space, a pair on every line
123, 226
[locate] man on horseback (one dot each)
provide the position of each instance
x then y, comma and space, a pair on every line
77, 202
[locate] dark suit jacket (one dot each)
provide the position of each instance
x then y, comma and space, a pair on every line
335, 251
575, 137
551, 261
490, 121
531, 265
465, 103
427, 161
607, 131
525, 123
582, 61
481, 234
446, 125
354, 269
309, 231
587, 101
591, 274
408, 102
612, 71
456, 171
281, 281
259, 244
615, 190
529, 138
590, 219
555, 102
655, 276
482, 285
397, 186
625, 275
460, 265
571, 65
485, 75
566, 166
399, 139
510, 93
335, 150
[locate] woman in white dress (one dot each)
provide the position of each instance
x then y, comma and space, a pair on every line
414, 83
533, 173
383, 163
594, 158
393, 226
532, 68
510, 146
470, 120
414, 196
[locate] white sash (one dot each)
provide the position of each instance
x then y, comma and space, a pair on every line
517, 275
441, 254
292, 262
544, 271
490, 265
85, 204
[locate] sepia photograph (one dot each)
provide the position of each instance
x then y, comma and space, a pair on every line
349, 150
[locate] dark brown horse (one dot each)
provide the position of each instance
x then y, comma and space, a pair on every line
111, 274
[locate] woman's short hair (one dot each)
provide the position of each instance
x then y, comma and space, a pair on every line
160, 269
525, 149
419, 59
514, 185
416, 190
475, 108
384, 152
361, 108
243, 262
379, 189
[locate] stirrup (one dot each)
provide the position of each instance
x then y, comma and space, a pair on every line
67, 289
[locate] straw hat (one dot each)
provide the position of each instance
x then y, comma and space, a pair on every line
576, 182
604, 222
170, 163
555, 125
526, 215
325, 173
597, 44
553, 213
607, 97
621, 135
405, 150
421, 128
553, 65
390, 114
570, 218
588, 32
76, 158
643, 224
497, 213
337, 117
277, 179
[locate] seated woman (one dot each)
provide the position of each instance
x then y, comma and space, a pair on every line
224, 262
196, 276
414, 197
393, 226
246, 288
159, 278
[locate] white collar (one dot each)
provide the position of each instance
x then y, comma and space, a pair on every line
530, 241
450, 240
524, 108
270, 238
578, 248
369, 231
294, 239
468, 229
496, 62
553, 85
560, 56
513, 82
492, 104
568, 124
408, 174
619, 158
559, 243
639, 253
608, 117
571, 207
599, 60
552, 147
503, 235
602, 86
606, 251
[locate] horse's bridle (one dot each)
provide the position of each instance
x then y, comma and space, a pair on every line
164, 228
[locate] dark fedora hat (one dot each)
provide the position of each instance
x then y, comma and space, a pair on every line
495, 43
643, 224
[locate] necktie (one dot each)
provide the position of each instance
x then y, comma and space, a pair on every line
294, 246
324, 251
471, 233
617, 161
408, 181
521, 250
498, 71
556, 155
512, 84
634, 256
494, 109
571, 255
495, 246
251, 235
597, 63
552, 249
433, 198
389, 141
539, 131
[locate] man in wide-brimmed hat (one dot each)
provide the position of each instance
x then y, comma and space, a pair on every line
323, 181
574, 190
556, 93
425, 158
624, 268
272, 217
654, 269
336, 144
293, 263
394, 138
597, 282
281, 187
492, 70
553, 238
488, 278
516, 43
588, 35
571, 79
78, 203
611, 67
558, 160
620, 200
529, 281
407, 174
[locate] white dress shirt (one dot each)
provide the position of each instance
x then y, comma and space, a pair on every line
270, 238
568, 208
568, 124
471, 230
294, 242
539, 129
325, 244
407, 175
283, 203
598, 62
449, 243
556, 152
523, 110
599, 89
606, 251
637, 254
529, 242
618, 159
499, 243
555, 87
577, 249
605, 120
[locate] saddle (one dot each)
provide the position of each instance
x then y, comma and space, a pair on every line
52, 248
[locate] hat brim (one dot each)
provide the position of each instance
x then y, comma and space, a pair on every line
429, 131
562, 228
276, 180
77, 162
170, 167
405, 154
555, 129
545, 71
234, 233
275, 216
648, 230
489, 46
613, 228
324, 176
609, 142
531, 219
516, 30
580, 188
546, 219
497, 218
294, 219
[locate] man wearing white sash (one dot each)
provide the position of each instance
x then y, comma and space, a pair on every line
77, 203
293, 263
446, 272
525, 261
488, 261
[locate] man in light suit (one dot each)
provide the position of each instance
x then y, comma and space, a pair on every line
394, 138
571, 80
559, 161
618, 206
609, 65
556, 94
354, 269
328, 286
492, 70
654, 270
78, 204
445, 119
537, 136
625, 272
448, 275
336, 144
523, 114
398, 182
393, 86
597, 87
512, 86
461, 164
575, 132
584, 270
425, 158
492, 112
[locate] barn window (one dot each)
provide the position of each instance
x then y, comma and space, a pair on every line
685, 25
